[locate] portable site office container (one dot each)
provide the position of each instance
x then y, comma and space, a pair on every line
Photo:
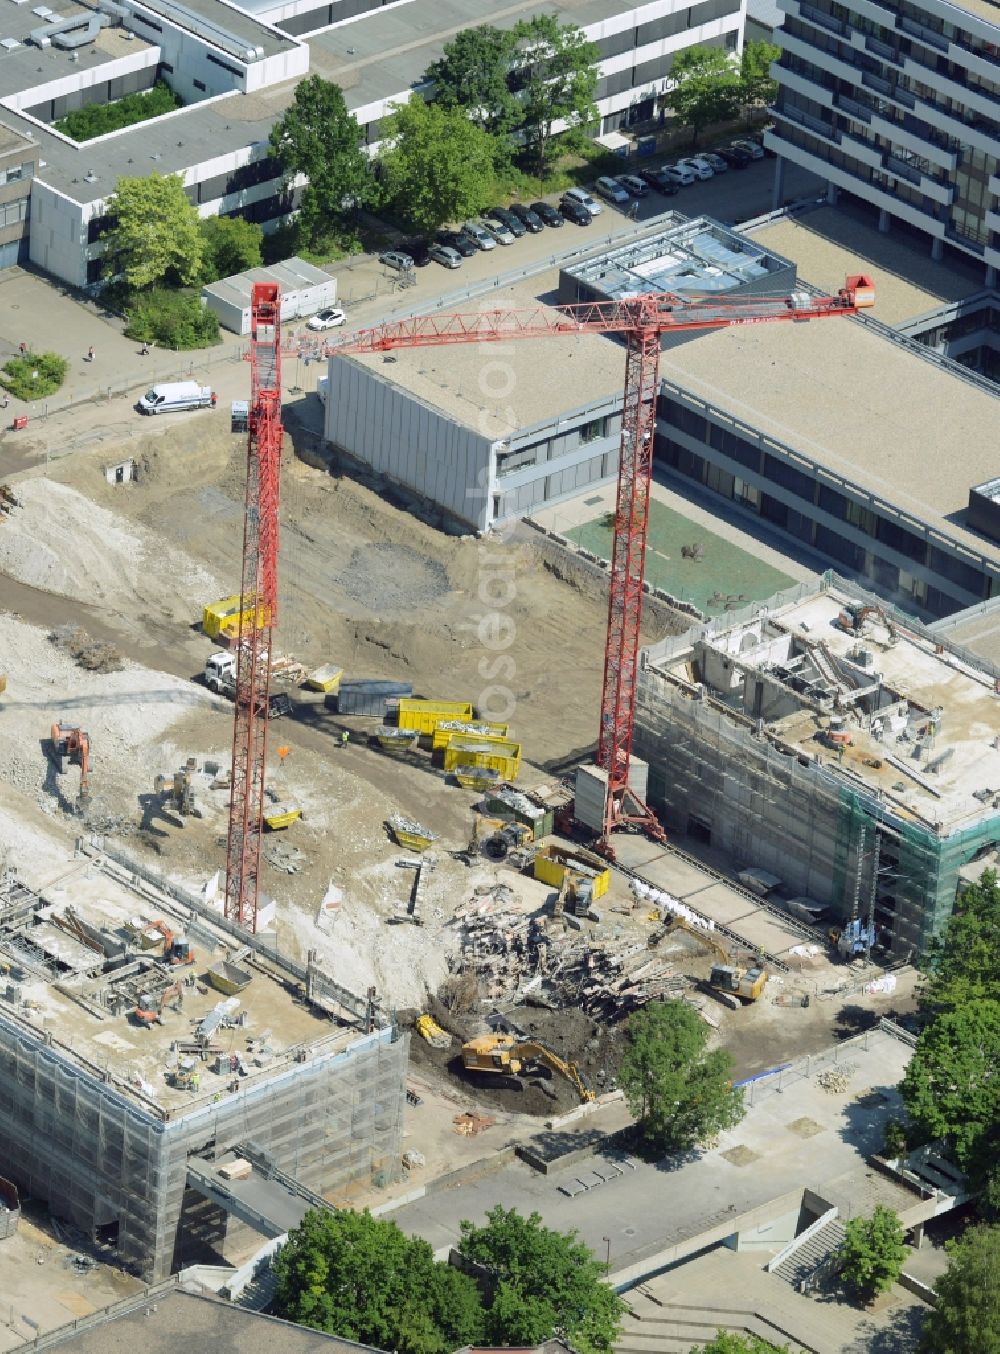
305, 289
503, 757
449, 728
423, 715
222, 618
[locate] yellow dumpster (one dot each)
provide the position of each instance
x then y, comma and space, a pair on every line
222, 618
446, 730
552, 862
422, 715
502, 756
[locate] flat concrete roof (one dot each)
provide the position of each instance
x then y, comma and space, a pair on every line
11, 141
979, 632
24, 67
861, 406
829, 243
543, 380
68, 1006
983, 9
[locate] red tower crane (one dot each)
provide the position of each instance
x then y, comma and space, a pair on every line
642, 321
258, 608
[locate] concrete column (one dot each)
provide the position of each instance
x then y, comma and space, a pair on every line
832, 194
991, 276
778, 191
884, 221
918, 1236
937, 249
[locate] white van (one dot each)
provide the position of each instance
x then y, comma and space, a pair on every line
176, 395
585, 200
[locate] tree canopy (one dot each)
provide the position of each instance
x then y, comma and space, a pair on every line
873, 1252
155, 236
964, 963
679, 1093
546, 1281
951, 1087
756, 83
473, 74
966, 1318
355, 1276
317, 136
438, 165
231, 245
732, 1342
97, 119
706, 88
555, 80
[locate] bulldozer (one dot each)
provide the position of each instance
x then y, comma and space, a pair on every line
512, 1057
732, 983
68, 743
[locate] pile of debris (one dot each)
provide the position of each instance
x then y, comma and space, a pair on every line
471, 1123
514, 954
96, 655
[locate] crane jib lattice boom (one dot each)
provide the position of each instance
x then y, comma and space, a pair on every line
258, 609
641, 320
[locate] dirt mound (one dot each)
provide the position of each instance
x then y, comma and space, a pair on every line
62, 542
390, 577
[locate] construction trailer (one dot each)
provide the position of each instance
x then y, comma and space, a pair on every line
858, 762
99, 1116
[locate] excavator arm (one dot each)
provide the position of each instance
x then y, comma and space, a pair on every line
534, 1052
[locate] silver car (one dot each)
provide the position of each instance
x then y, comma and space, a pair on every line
480, 237
445, 255
396, 259
498, 230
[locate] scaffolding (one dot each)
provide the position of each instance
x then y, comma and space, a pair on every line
104, 1154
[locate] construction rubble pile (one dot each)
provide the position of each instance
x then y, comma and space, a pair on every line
515, 954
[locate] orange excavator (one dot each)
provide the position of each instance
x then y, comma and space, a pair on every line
68, 743
177, 950
150, 1007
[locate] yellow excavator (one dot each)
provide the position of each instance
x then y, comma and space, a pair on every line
513, 1057
726, 978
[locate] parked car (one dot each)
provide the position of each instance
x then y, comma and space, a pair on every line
656, 178
581, 196
700, 168
735, 159
719, 166
547, 213
445, 255
479, 235
528, 217
506, 218
575, 211
331, 318
752, 149
497, 229
417, 250
612, 190
397, 260
454, 239
682, 175
633, 184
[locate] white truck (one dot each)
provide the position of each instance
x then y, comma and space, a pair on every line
220, 676
172, 396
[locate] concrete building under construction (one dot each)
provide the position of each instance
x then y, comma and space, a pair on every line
143, 1039
836, 743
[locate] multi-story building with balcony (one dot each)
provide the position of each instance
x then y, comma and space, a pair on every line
898, 103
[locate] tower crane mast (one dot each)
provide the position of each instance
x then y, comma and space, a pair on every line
641, 321
258, 608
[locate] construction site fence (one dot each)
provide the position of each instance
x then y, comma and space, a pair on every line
98, 847
781, 1078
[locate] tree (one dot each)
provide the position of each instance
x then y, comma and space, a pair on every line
966, 1317
155, 236
438, 166
730, 1342
706, 88
964, 963
555, 80
317, 136
363, 1279
873, 1252
951, 1086
679, 1093
546, 1281
473, 74
756, 83
231, 245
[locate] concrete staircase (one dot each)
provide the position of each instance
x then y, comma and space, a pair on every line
257, 1294
815, 1249
662, 1327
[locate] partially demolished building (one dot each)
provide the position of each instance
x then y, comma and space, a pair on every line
838, 744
